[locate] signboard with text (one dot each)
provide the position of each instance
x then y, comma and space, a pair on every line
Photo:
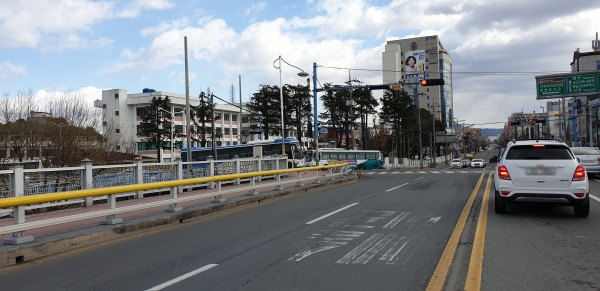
567, 85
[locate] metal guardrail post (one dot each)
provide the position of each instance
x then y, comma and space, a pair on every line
111, 202
331, 178
237, 169
259, 169
179, 173
278, 177
218, 198
174, 190
316, 181
299, 183
87, 181
253, 192
17, 189
211, 170
138, 172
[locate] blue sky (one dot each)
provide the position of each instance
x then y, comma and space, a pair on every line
87, 46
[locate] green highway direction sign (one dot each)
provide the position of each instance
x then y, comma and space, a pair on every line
567, 85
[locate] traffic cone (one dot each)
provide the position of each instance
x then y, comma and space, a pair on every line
359, 173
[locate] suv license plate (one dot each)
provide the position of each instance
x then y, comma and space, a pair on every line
540, 171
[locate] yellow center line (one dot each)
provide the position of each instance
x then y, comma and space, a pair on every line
436, 283
473, 282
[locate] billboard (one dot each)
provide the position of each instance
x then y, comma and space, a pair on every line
414, 64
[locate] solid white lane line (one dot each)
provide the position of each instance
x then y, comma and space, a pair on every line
596, 180
182, 277
595, 198
331, 213
396, 187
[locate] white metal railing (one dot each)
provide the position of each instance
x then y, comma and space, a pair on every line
88, 176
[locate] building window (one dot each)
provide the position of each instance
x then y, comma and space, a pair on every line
426, 67
413, 46
218, 131
226, 131
245, 119
226, 116
427, 96
116, 113
235, 131
234, 117
117, 130
217, 115
104, 123
178, 111
103, 106
235, 143
118, 148
227, 143
598, 65
427, 89
116, 95
179, 129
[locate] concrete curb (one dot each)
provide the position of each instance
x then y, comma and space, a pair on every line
72, 240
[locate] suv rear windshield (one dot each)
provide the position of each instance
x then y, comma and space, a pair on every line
547, 152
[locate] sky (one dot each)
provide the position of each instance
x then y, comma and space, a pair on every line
497, 46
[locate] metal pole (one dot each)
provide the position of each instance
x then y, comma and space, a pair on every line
214, 142
315, 114
282, 121
187, 104
240, 120
416, 96
590, 125
351, 110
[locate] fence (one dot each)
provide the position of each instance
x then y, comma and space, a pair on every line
19, 201
413, 164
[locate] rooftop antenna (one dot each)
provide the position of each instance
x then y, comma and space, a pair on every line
596, 42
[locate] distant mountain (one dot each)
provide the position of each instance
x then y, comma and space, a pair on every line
491, 131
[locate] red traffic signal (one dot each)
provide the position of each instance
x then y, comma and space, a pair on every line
533, 122
432, 82
509, 123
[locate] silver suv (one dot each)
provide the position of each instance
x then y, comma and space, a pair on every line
541, 171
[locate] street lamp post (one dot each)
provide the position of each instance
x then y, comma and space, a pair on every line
544, 116
301, 74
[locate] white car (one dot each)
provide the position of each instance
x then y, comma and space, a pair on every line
477, 163
456, 163
541, 171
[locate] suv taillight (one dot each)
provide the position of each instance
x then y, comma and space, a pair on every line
503, 173
579, 174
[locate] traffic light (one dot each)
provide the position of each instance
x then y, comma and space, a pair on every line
509, 123
432, 82
533, 122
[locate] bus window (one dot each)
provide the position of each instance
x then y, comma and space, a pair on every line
341, 156
333, 156
351, 156
361, 157
325, 156
371, 156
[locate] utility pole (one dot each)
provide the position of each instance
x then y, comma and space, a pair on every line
187, 105
214, 142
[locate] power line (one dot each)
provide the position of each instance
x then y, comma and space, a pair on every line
453, 72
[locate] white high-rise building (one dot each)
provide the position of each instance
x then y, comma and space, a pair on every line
423, 58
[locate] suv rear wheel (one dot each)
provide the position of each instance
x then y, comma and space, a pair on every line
501, 207
583, 210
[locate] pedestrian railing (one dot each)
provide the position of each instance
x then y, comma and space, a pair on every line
19, 201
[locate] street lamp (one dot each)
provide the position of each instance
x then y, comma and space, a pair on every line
301, 74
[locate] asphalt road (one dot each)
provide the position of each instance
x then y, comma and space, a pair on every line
384, 232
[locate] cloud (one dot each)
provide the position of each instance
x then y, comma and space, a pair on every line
135, 7
255, 8
35, 24
482, 36
7, 70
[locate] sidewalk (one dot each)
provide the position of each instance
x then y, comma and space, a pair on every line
72, 235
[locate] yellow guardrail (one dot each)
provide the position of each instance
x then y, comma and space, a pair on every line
43, 198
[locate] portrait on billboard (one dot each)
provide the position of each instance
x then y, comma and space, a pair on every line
414, 65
